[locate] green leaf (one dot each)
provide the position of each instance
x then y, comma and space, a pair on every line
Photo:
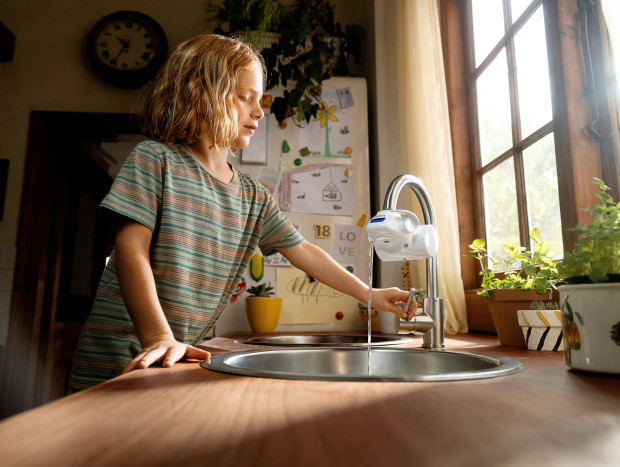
279, 108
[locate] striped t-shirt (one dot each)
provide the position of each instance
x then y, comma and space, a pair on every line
204, 233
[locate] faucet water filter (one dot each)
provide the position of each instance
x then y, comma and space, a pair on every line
397, 235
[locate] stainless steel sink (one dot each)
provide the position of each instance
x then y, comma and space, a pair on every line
352, 364
324, 340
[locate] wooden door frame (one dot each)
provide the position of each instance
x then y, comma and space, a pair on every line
49, 152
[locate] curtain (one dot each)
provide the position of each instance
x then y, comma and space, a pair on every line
425, 138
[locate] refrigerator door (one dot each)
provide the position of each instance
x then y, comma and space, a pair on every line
319, 174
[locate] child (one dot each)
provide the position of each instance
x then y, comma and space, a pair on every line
188, 222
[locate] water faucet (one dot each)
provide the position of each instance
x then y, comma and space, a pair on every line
397, 235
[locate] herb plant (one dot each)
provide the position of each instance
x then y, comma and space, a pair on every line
597, 251
260, 290
540, 305
523, 269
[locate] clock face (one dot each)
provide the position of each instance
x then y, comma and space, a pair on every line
126, 44
126, 48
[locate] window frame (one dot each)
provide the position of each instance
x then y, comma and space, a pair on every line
515, 152
579, 156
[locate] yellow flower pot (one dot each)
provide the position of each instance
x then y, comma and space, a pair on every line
263, 312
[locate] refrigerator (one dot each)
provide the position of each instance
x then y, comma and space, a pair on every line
318, 172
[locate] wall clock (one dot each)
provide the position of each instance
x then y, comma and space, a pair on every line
126, 48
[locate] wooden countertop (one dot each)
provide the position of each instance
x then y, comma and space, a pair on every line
546, 415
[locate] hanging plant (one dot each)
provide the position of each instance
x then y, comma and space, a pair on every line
309, 47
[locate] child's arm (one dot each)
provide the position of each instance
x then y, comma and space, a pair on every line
322, 267
135, 277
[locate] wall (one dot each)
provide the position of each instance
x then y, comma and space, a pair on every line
50, 72
386, 148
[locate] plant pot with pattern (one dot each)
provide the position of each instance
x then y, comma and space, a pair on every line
527, 276
263, 310
542, 326
590, 296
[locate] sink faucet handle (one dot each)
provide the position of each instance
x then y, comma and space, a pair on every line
410, 298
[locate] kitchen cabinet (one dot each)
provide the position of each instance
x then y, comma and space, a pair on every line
545, 415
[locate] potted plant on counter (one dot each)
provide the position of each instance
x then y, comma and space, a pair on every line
590, 297
542, 326
263, 310
527, 276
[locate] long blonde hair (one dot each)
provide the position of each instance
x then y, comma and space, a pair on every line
193, 94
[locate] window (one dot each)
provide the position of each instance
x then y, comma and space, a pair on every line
514, 160
521, 100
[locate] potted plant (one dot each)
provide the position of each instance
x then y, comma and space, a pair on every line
304, 45
263, 310
542, 326
527, 276
589, 299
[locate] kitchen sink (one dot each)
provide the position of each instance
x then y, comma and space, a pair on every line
324, 340
353, 364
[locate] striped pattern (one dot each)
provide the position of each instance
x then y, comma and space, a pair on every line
542, 329
204, 234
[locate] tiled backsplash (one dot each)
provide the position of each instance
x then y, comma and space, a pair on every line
7, 269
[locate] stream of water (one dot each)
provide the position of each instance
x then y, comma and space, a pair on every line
370, 260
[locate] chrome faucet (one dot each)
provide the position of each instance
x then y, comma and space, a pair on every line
411, 241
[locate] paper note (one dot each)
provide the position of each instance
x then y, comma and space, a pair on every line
305, 301
318, 189
346, 243
256, 152
328, 134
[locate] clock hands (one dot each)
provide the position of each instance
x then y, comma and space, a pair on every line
125, 46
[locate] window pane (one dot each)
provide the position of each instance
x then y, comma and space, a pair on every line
517, 7
488, 19
494, 122
500, 209
533, 75
543, 200
611, 13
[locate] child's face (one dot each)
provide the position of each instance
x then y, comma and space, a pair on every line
247, 99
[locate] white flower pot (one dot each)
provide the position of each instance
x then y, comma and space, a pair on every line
591, 326
542, 329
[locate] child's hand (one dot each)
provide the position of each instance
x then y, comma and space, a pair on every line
386, 300
168, 350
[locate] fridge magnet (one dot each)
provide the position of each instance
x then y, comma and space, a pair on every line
308, 301
256, 152
318, 136
285, 147
322, 231
257, 267
346, 243
238, 290
266, 101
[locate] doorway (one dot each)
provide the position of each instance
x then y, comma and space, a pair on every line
61, 249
